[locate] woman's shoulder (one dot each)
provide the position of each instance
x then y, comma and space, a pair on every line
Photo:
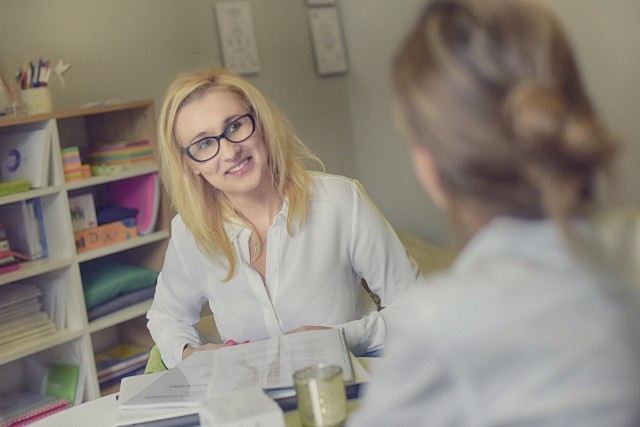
322, 182
331, 179
179, 229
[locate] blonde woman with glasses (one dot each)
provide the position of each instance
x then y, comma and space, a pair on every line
271, 246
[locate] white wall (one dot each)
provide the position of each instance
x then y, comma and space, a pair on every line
606, 36
132, 49
374, 29
129, 50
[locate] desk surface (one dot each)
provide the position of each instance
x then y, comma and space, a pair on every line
102, 412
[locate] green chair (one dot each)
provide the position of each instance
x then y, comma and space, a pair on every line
208, 333
155, 363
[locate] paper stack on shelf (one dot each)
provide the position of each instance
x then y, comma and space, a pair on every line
120, 155
71, 164
120, 361
21, 317
26, 155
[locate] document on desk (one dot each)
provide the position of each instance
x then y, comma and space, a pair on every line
268, 364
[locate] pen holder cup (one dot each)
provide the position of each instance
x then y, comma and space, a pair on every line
37, 100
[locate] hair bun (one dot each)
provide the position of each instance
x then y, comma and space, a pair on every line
548, 129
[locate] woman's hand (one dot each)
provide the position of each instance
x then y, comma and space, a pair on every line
306, 328
188, 350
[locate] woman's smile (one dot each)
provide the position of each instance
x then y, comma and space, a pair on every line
239, 168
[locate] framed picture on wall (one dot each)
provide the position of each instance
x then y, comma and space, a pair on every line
329, 51
237, 36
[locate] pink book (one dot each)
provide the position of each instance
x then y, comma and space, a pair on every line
142, 193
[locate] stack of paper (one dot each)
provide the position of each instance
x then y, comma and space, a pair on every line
121, 153
268, 364
219, 384
72, 165
21, 317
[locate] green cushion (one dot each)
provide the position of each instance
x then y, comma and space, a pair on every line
103, 281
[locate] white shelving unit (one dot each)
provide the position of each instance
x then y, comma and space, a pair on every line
59, 275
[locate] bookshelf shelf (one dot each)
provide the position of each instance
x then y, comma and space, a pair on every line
123, 246
104, 179
35, 268
31, 194
59, 275
120, 316
21, 350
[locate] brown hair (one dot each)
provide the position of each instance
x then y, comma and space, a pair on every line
491, 89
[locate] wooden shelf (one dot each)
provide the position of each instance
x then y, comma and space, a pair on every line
123, 246
10, 352
120, 316
59, 276
31, 194
132, 171
35, 268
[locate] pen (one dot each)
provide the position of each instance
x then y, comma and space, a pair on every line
31, 75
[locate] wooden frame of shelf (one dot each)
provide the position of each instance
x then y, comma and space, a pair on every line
82, 127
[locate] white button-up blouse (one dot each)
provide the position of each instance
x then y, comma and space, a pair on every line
313, 276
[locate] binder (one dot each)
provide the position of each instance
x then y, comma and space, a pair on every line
141, 193
26, 155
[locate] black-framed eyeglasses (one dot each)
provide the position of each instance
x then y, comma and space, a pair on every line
207, 148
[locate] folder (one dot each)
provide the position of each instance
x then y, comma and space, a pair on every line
141, 193
62, 381
26, 155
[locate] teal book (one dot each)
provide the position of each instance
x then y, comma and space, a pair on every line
62, 381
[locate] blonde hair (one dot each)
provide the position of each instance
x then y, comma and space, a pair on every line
203, 208
491, 89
